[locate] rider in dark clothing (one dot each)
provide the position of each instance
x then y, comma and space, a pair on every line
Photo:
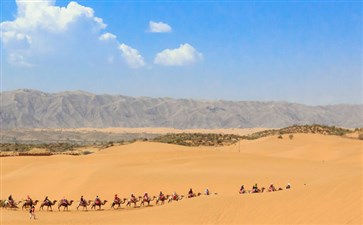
46, 200
190, 193
82, 200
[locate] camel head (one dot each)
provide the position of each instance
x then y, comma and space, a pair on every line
54, 202
104, 202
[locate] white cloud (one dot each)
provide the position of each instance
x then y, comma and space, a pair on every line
132, 56
107, 36
159, 27
185, 54
43, 34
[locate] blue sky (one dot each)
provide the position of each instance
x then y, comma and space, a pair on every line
307, 52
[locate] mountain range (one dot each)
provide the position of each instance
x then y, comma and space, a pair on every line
74, 109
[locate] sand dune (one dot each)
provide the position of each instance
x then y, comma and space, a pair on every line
325, 173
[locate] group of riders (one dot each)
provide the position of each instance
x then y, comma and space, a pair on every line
97, 201
146, 198
255, 189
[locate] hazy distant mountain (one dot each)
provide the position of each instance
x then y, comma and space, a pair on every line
72, 109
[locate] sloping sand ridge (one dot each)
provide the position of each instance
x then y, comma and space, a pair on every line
325, 173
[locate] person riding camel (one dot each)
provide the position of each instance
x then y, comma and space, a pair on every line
29, 200
116, 199
242, 190
82, 200
11, 200
254, 188
46, 200
64, 200
133, 198
206, 191
272, 187
97, 200
146, 196
175, 196
161, 196
288, 186
190, 193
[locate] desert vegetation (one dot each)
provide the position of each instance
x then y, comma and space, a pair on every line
300, 129
197, 139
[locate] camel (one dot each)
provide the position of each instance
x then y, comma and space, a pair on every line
148, 200
48, 204
30, 203
162, 200
257, 191
194, 195
65, 204
175, 198
84, 204
135, 200
118, 202
10, 205
98, 203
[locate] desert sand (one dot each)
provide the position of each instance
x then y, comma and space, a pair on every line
325, 173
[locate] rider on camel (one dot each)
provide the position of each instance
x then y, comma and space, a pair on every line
64, 200
116, 199
29, 200
133, 198
146, 196
82, 200
46, 200
175, 196
254, 188
242, 190
10, 200
97, 200
190, 193
206, 191
288, 186
272, 187
161, 196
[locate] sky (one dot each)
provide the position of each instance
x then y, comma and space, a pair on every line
307, 52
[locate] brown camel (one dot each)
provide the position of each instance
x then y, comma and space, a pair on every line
48, 204
98, 203
148, 200
118, 202
194, 195
27, 203
134, 201
162, 200
11, 204
65, 203
257, 190
84, 204
175, 198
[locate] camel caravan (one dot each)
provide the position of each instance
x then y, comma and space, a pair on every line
255, 189
133, 201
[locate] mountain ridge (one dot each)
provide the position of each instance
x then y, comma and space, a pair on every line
26, 108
